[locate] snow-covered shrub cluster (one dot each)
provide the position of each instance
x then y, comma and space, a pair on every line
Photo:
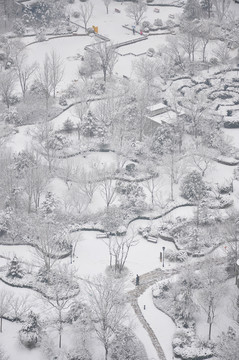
30, 333
15, 269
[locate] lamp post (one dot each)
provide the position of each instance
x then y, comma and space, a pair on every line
163, 254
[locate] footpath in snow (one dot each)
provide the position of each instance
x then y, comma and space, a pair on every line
161, 324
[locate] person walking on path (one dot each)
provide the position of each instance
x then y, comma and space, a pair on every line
133, 29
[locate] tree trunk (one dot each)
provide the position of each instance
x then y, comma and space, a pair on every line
210, 331
197, 215
59, 339
104, 72
1, 325
106, 352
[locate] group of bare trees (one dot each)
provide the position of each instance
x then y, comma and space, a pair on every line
12, 307
48, 76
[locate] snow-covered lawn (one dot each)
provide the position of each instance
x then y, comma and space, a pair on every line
233, 135
10, 342
68, 48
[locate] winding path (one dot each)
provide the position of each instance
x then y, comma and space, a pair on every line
146, 281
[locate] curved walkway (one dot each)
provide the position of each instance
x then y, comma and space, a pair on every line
146, 281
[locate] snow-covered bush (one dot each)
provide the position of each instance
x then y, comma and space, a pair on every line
193, 187
158, 22
3, 223
132, 195
30, 332
62, 101
220, 202
72, 91
11, 116
36, 88
228, 346
225, 188
113, 219
68, 125
163, 140
170, 23
49, 205
91, 127
176, 256
22, 161
126, 346
76, 14
19, 27
57, 141
14, 269
231, 123
97, 88
43, 275
161, 289
41, 35
236, 173
214, 61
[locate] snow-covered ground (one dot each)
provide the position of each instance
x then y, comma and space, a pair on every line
10, 342
91, 255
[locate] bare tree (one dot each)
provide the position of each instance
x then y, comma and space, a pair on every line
107, 305
196, 109
213, 282
205, 34
189, 39
75, 201
106, 55
48, 238
146, 69
222, 53
24, 71
222, 7
231, 236
34, 178
86, 10
108, 185
46, 144
19, 306
81, 109
7, 86
5, 301
88, 183
90, 64
153, 186
119, 247
109, 111
57, 70
136, 10
202, 159
44, 78
64, 289
107, 3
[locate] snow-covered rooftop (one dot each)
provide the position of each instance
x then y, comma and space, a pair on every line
168, 117
157, 107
